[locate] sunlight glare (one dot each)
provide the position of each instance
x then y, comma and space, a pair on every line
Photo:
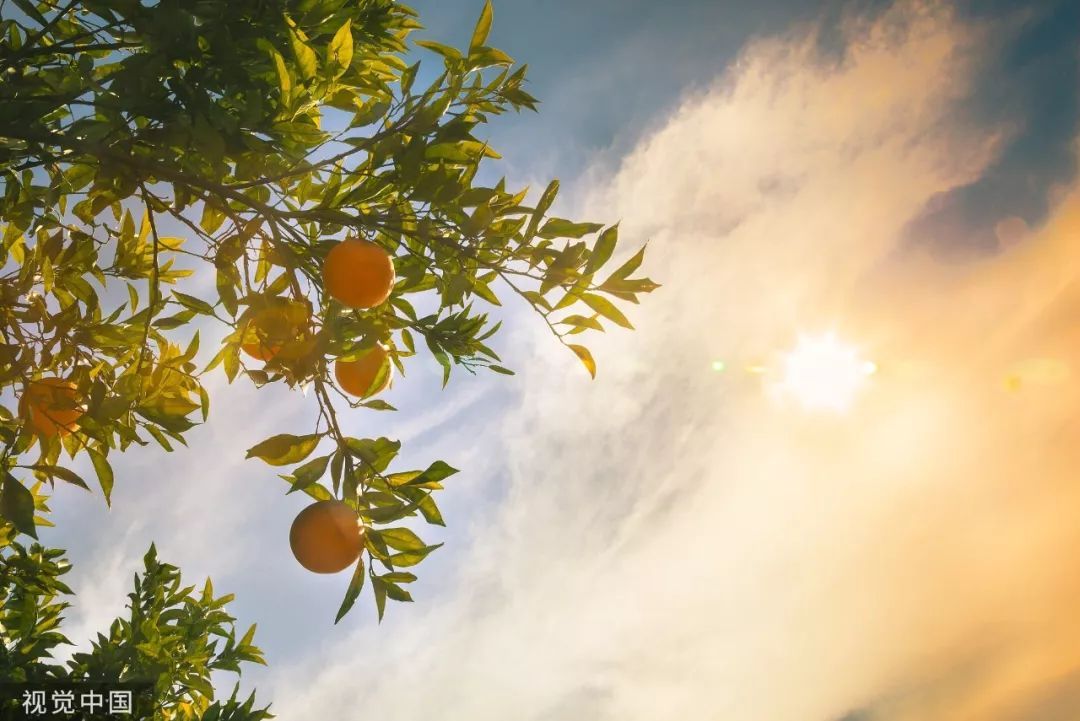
824, 374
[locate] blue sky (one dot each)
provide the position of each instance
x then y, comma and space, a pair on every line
667, 542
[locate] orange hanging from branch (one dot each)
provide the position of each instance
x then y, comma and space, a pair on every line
51, 406
326, 537
358, 273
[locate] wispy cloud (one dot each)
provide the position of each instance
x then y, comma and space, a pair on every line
671, 545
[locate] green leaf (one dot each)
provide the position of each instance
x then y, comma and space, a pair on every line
379, 586
336, 467
190, 351
374, 544
582, 323
441, 356
377, 453
217, 359
160, 438
248, 637
63, 474
318, 492
629, 266
606, 308
401, 539
104, 473
17, 505
408, 77
482, 289
396, 592
487, 57
300, 132
211, 219
601, 252
406, 559
309, 473
561, 228
367, 114
546, 199
133, 297
226, 288
399, 577
402, 479
164, 418
388, 514
437, 471
462, 151
356, 584
430, 511
284, 79
483, 28
305, 56
284, 448
586, 357
208, 142
622, 286
378, 405
340, 52
449, 53
196, 304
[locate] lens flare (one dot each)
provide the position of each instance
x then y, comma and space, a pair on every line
824, 374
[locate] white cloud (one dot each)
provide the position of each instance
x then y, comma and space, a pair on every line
673, 546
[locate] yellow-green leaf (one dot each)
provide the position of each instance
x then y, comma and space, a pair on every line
284, 79
309, 473
601, 252
104, 473
284, 448
353, 591
305, 56
483, 28
606, 308
17, 505
401, 539
586, 358
406, 559
340, 52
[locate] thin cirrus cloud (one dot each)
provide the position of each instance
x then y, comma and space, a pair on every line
671, 544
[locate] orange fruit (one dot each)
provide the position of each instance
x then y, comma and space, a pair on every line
261, 351
273, 329
52, 406
358, 273
326, 537
358, 377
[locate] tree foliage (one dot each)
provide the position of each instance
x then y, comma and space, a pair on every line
172, 639
146, 146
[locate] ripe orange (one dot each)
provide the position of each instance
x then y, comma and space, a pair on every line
52, 406
358, 273
359, 377
259, 350
326, 537
275, 328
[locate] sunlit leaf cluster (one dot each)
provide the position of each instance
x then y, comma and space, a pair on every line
172, 637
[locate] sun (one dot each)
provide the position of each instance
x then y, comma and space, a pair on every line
822, 373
